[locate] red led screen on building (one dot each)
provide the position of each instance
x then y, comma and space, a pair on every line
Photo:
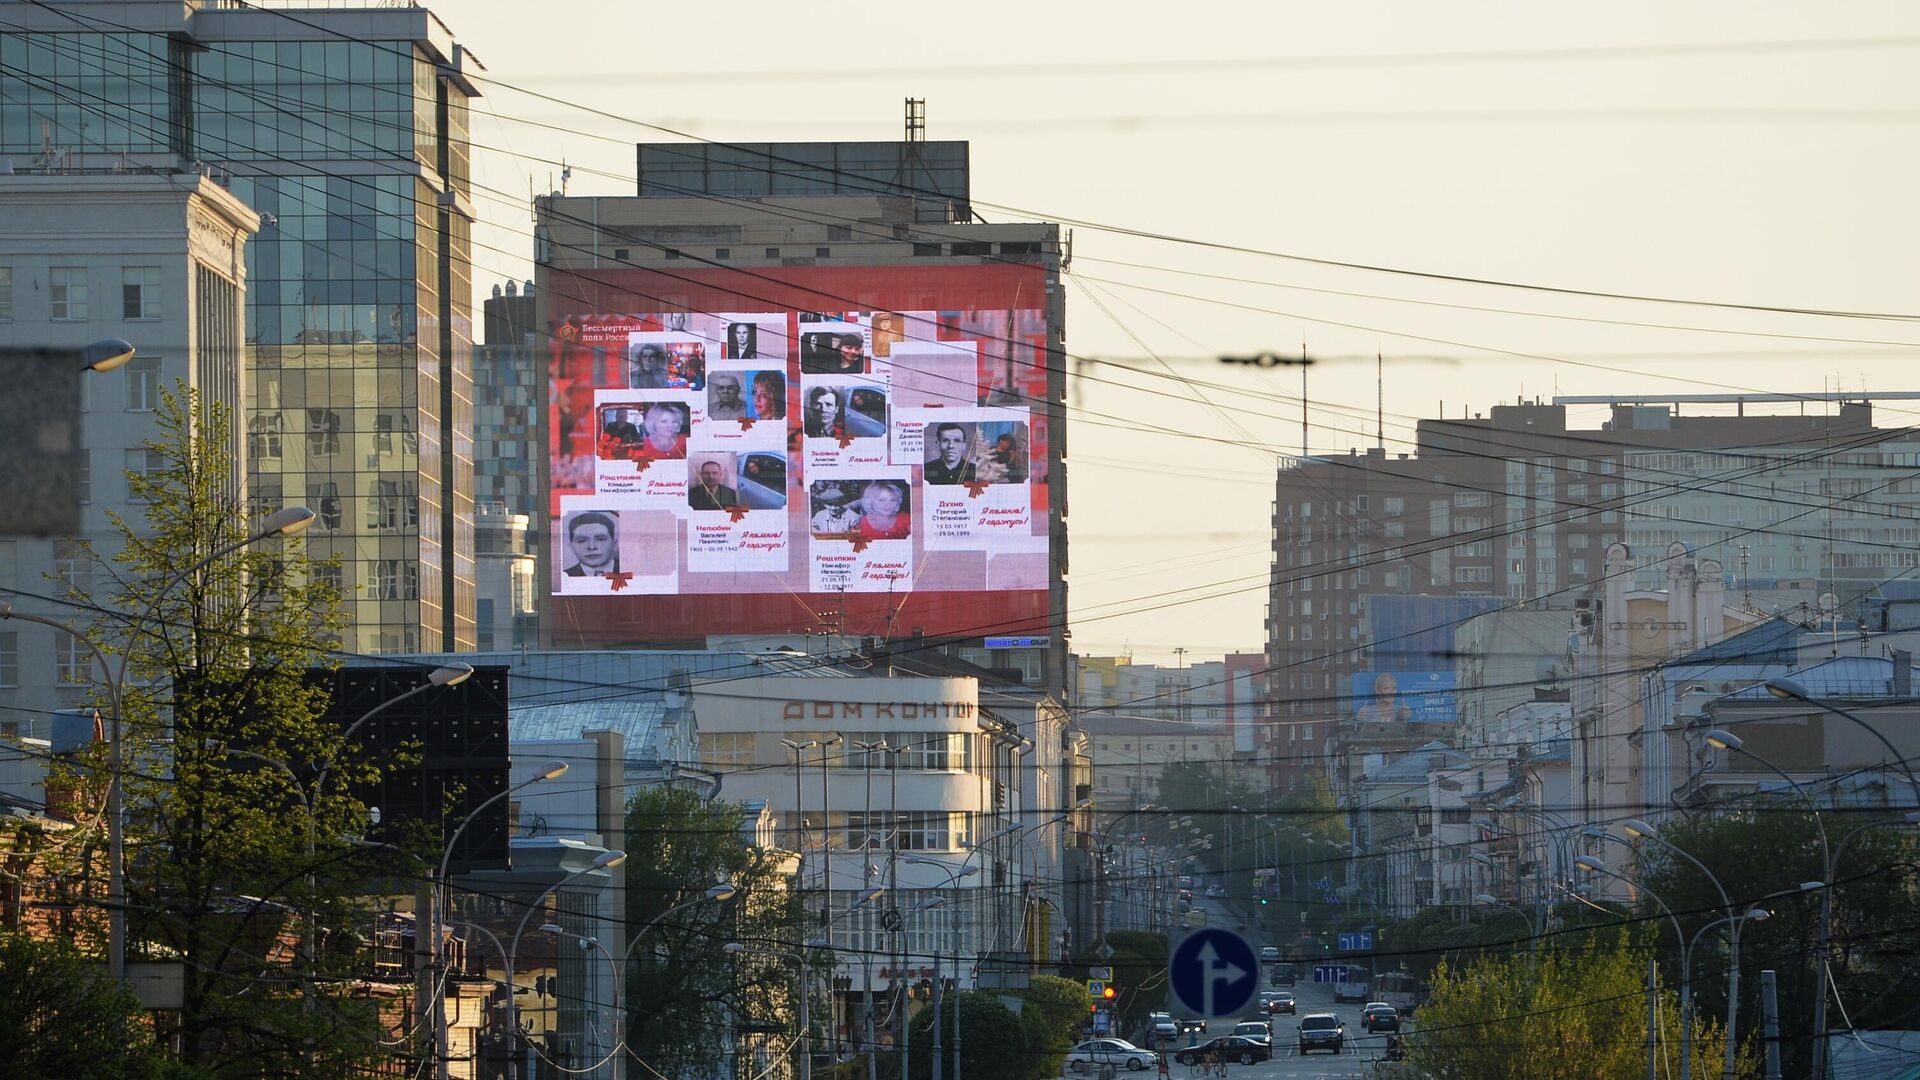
838, 450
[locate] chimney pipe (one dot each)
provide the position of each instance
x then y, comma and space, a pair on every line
1902, 673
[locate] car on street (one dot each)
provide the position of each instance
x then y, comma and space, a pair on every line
1215, 890
1162, 1025
1270, 954
1254, 1029
1089, 1056
1281, 975
1322, 1031
1229, 1047
1377, 1018
1190, 1024
1185, 882
1278, 1001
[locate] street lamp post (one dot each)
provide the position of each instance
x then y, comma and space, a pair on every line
953, 874
433, 920
285, 522
1640, 830
1594, 865
735, 948
587, 942
606, 860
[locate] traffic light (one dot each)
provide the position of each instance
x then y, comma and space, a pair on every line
1263, 901
1107, 994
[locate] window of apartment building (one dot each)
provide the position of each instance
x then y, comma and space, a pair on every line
1394, 504
144, 463
1394, 530
73, 566
396, 579
394, 431
394, 506
1577, 567
1467, 575
10, 658
323, 432
71, 658
263, 436
323, 496
6, 294
67, 293
143, 384
140, 292
725, 750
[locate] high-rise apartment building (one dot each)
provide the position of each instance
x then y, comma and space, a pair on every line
152, 259
346, 130
1515, 508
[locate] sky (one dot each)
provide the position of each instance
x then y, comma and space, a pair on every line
1751, 154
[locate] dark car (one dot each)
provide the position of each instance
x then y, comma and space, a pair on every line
1278, 1001
1282, 976
1229, 1048
1322, 1031
1378, 1018
1188, 1025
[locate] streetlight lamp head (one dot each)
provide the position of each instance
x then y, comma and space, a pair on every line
106, 354
968, 872
1594, 832
733, 948
1757, 915
607, 860
796, 747
286, 521
1787, 689
551, 928
721, 891
1721, 739
1480, 857
870, 896
1810, 886
928, 905
1483, 898
1637, 829
450, 674
1591, 864
554, 771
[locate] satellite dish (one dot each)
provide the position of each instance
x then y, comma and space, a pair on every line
1829, 603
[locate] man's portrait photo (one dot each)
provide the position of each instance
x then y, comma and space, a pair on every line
948, 448
823, 413
593, 543
743, 342
713, 486
725, 400
647, 366
619, 429
832, 505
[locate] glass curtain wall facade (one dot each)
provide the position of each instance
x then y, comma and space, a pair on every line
353, 148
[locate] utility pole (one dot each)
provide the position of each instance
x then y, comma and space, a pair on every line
1770, 1019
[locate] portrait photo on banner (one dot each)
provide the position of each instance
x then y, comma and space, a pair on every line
866, 509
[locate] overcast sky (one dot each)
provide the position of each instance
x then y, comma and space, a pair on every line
1752, 153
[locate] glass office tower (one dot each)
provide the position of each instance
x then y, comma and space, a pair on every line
347, 130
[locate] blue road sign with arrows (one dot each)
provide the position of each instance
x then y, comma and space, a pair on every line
1214, 973
1361, 941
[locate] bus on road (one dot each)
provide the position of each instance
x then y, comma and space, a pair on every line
1355, 987
1398, 989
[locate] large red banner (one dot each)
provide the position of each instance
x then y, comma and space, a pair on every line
859, 451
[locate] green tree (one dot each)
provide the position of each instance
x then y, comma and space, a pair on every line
1556, 1014
685, 990
1056, 1011
58, 1017
1139, 964
235, 862
993, 1041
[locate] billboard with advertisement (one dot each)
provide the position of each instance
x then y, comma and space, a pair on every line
1424, 697
762, 453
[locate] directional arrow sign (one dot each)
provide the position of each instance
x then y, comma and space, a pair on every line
1214, 973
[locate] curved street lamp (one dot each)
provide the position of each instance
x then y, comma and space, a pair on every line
606, 860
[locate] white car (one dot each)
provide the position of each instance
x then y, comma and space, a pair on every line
1163, 1025
1270, 954
1121, 1054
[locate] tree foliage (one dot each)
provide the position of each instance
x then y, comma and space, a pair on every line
685, 990
58, 1017
1555, 1014
231, 858
993, 1041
